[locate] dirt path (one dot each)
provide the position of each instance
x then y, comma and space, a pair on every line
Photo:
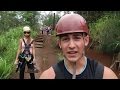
45, 57
105, 59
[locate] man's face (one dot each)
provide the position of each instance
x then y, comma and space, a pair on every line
73, 45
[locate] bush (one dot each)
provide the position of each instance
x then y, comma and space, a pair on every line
106, 31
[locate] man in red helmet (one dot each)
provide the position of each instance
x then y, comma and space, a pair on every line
73, 34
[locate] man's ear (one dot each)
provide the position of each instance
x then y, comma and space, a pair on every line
86, 39
59, 44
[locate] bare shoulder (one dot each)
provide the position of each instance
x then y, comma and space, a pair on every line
31, 39
20, 40
109, 74
48, 74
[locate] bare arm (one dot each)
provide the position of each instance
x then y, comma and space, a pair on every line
33, 49
109, 74
48, 74
19, 49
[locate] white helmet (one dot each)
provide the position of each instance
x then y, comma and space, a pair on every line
26, 28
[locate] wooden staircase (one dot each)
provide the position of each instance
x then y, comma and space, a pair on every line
39, 41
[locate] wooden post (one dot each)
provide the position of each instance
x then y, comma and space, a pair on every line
54, 21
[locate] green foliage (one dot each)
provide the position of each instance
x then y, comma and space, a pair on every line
12, 19
106, 31
8, 48
5, 69
55, 45
91, 16
7, 19
49, 19
30, 18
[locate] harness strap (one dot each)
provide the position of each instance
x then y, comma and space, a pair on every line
99, 71
25, 42
58, 71
27, 47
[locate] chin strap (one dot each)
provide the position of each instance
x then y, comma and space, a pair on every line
75, 67
74, 71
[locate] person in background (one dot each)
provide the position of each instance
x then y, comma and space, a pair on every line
26, 53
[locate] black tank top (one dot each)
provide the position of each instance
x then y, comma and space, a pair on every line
93, 70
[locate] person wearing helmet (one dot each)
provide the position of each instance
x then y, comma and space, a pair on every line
26, 53
73, 34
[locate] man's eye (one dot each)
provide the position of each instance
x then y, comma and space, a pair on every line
65, 39
77, 37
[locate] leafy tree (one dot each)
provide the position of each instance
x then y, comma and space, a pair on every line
91, 16
106, 31
50, 19
29, 18
10, 19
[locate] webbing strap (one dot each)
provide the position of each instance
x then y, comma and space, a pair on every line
59, 73
25, 42
99, 71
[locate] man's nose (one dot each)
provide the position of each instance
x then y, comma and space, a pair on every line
71, 44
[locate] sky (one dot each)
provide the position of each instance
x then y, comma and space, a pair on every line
61, 13
47, 12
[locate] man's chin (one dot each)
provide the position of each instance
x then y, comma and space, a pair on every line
72, 59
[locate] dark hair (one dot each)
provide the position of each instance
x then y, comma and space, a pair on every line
61, 35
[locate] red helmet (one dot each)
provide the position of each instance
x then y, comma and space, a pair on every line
70, 23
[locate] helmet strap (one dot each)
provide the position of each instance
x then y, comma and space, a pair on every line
74, 71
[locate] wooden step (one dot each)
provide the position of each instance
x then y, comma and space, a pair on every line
39, 43
39, 38
39, 46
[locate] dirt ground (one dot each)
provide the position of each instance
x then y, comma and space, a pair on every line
103, 58
46, 56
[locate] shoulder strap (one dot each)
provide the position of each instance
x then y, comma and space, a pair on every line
24, 41
32, 41
99, 71
58, 72
26, 44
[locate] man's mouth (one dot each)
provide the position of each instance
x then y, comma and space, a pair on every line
72, 52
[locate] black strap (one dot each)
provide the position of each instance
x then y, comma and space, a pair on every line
32, 42
58, 71
99, 71
26, 44
27, 47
